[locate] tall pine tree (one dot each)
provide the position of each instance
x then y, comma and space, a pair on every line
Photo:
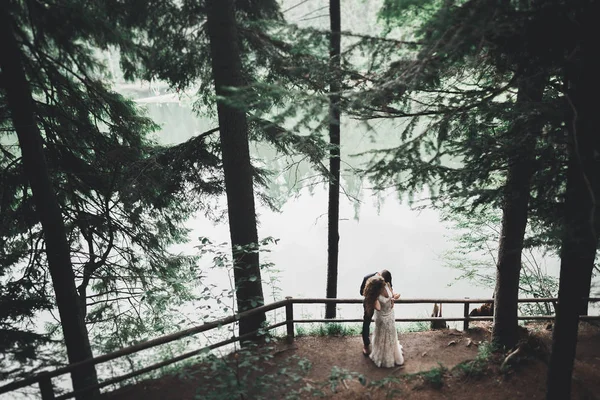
333, 214
21, 106
233, 129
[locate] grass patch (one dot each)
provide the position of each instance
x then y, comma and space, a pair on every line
433, 378
478, 367
347, 329
485, 351
419, 326
328, 329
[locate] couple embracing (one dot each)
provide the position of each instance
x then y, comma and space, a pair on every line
385, 351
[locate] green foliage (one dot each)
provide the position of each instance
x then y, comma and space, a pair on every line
341, 329
20, 303
419, 326
476, 368
247, 374
336, 377
301, 330
457, 96
212, 302
349, 329
387, 383
434, 377
485, 350
123, 198
475, 252
328, 329
402, 12
222, 261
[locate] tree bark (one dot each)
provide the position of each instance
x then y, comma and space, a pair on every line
514, 212
580, 233
583, 85
227, 72
334, 158
585, 286
23, 114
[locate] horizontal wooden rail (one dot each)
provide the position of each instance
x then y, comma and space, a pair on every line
140, 346
426, 301
44, 378
170, 361
452, 319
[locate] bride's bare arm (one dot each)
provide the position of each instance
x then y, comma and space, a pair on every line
377, 305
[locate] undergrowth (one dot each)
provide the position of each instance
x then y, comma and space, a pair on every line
390, 384
476, 368
338, 376
419, 326
434, 377
249, 373
328, 329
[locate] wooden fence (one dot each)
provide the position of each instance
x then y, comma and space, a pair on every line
44, 379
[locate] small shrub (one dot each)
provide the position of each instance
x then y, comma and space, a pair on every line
338, 375
301, 330
476, 368
243, 374
435, 377
485, 351
471, 369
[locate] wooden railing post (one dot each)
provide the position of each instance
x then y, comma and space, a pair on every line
46, 388
466, 315
289, 318
43, 379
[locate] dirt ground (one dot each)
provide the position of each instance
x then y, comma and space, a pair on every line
436, 367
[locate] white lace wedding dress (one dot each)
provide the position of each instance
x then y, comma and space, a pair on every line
386, 351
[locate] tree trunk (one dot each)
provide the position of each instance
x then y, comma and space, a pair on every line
334, 157
514, 216
585, 287
580, 233
227, 72
23, 114
577, 253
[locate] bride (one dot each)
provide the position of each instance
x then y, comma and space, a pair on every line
386, 351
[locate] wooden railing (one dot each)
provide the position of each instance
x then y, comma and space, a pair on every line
44, 379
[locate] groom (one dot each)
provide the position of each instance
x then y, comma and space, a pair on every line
367, 316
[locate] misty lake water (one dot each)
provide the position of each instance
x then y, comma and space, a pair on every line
377, 231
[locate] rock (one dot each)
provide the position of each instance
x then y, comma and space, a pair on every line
469, 342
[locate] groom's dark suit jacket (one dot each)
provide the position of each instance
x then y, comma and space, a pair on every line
364, 282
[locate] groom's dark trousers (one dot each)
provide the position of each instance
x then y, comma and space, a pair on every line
366, 316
